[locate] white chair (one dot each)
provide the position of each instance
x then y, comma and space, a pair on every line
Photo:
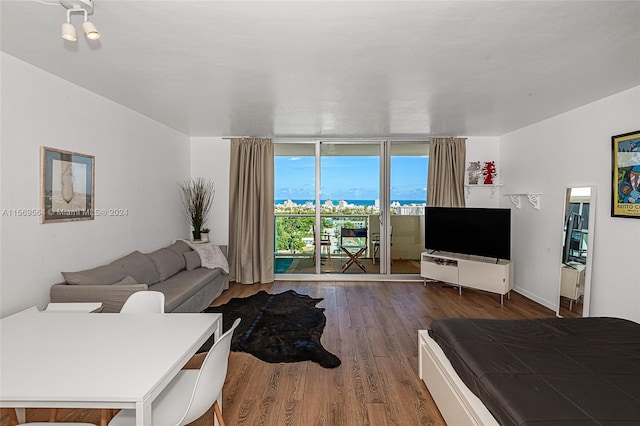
144, 302
192, 392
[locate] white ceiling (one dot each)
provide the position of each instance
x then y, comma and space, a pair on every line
350, 68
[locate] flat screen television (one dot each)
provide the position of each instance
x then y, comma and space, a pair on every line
476, 231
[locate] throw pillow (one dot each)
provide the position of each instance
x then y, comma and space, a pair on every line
139, 266
107, 274
179, 247
192, 259
167, 262
211, 256
128, 280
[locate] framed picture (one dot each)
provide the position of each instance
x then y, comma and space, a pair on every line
625, 165
66, 186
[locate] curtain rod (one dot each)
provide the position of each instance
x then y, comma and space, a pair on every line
337, 138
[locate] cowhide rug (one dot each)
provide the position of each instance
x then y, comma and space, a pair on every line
275, 328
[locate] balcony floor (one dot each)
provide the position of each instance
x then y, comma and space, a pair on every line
305, 265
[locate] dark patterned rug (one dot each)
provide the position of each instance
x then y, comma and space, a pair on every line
284, 327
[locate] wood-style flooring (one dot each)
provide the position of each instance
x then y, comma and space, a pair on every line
372, 327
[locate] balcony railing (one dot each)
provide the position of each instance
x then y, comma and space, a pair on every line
295, 239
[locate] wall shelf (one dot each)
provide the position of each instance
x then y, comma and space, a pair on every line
493, 187
533, 197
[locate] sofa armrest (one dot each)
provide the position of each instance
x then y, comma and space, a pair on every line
112, 296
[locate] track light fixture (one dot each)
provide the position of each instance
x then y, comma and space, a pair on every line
79, 6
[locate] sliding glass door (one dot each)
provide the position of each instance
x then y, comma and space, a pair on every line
295, 207
408, 165
350, 201
347, 207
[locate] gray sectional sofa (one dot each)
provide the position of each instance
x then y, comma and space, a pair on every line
175, 271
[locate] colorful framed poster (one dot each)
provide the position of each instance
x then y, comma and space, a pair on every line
625, 165
66, 186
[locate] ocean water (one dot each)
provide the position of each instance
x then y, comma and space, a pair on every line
355, 202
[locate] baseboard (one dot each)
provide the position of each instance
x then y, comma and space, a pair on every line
553, 305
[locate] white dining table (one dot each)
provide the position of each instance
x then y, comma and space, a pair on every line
89, 360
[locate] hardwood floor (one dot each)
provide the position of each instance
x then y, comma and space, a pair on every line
372, 327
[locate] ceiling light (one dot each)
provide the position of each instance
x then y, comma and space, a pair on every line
69, 32
79, 6
90, 30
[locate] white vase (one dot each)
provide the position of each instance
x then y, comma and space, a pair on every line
204, 237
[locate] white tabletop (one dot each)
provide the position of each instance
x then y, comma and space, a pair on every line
96, 360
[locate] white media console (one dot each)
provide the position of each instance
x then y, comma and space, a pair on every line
481, 273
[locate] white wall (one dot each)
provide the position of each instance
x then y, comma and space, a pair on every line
573, 149
138, 163
210, 160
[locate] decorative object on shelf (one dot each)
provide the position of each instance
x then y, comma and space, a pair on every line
204, 235
533, 197
625, 170
489, 172
66, 186
475, 172
197, 197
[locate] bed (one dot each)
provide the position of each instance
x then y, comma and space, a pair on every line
574, 371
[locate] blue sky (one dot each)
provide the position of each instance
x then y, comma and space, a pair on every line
349, 178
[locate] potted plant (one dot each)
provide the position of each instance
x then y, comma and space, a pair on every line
197, 196
204, 235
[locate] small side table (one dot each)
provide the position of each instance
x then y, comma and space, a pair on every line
80, 307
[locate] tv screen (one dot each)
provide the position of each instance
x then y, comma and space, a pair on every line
477, 231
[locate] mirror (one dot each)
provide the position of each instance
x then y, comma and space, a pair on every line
577, 251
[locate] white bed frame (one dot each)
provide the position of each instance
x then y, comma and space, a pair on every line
457, 404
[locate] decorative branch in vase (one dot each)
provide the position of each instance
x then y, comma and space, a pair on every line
197, 196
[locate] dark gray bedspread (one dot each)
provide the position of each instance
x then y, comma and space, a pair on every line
553, 371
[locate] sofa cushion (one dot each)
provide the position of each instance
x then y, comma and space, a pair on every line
139, 266
107, 274
192, 260
179, 247
126, 281
183, 285
167, 262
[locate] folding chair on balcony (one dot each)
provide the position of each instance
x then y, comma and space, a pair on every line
325, 241
353, 241
375, 243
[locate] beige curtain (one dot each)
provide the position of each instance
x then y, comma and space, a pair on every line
446, 172
251, 230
